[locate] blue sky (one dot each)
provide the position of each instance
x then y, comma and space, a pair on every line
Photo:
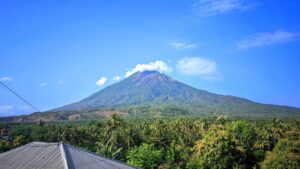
57, 52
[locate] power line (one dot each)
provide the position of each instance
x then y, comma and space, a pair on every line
19, 96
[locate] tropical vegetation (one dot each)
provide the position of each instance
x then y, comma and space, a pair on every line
174, 143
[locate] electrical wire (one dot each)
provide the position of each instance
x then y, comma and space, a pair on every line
19, 96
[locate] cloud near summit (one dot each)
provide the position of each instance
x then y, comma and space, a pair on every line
190, 66
158, 65
101, 81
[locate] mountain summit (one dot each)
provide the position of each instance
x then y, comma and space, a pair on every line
150, 78
151, 89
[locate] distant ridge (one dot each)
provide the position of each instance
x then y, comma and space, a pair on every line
154, 94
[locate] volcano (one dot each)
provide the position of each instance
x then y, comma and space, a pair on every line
151, 94
156, 91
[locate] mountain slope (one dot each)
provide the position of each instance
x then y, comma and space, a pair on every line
151, 88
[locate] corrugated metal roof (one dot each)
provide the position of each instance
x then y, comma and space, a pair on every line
39, 155
78, 158
33, 155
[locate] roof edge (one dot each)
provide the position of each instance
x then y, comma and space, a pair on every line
63, 154
14, 149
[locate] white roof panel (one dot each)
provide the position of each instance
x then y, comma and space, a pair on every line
39, 155
33, 155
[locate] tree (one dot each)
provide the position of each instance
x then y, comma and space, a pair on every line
215, 150
4, 146
244, 136
177, 154
145, 156
112, 141
18, 141
285, 155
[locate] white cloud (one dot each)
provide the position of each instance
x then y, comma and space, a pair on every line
180, 45
60, 82
263, 39
116, 78
6, 79
6, 109
156, 65
43, 84
101, 81
196, 66
214, 7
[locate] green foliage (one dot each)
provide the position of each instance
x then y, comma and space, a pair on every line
112, 140
216, 150
4, 146
286, 154
195, 164
18, 141
145, 156
177, 155
174, 143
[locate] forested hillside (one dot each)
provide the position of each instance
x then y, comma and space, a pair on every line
175, 143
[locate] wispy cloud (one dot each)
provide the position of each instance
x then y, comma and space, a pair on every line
180, 45
6, 109
25, 108
196, 66
116, 78
101, 81
267, 38
6, 79
156, 65
214, 7
9, 110
60, 82
43, 84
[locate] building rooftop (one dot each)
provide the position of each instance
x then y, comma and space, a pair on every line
40, 155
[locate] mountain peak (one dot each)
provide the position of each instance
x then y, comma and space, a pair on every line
147, 73
150, 77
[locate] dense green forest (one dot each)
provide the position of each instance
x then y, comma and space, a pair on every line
174, 143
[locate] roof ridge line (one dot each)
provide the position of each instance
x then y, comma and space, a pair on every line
41, 142
63, 154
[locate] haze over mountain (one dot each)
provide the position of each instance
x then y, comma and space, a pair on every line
152, 94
